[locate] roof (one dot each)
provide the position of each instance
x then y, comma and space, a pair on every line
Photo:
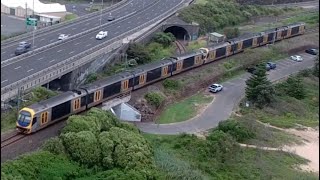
216, 34
39, 7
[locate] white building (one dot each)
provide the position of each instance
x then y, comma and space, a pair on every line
18, 8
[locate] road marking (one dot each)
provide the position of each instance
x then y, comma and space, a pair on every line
18, 67
74, 28
3, 52
60, 50
88, 45
71, 52
29, 70
42, 39
4, 81
40, 58
51, 40
119, 26
52, 60
77, 43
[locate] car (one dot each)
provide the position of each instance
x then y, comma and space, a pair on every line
251, 70
21, 50
268, 67
24, 44
215, 88
272, 65
296, 58
102, 34
111, 18
63, 36
312, 51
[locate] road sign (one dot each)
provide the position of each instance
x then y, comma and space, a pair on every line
32, 22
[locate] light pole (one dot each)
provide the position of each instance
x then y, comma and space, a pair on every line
34, 25
101, 14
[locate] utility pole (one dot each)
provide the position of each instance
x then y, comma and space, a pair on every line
34, 26
33, 9
101, 15
26, 16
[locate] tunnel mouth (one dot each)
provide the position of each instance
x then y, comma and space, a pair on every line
179, 32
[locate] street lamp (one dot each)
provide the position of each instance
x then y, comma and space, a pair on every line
101, 14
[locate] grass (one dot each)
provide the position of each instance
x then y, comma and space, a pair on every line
243, 163
69, 17
183, 110
8, 120
194, 45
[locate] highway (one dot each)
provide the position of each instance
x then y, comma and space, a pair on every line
39, 61
225, 101
41, 40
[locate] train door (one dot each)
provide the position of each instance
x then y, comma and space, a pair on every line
97, 96
212, 55
198, 60
142, 79
240, 43
44, 118
76, 104
301, 29
289, 33
279, 33
125, 85
265, 39
255, 42
228, 52
165, 71
179, 65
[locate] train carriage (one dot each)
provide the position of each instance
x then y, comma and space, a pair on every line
217, 51
44, 113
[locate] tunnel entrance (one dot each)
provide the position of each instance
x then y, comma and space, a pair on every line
179, 32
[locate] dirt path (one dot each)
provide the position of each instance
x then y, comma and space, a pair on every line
309, 150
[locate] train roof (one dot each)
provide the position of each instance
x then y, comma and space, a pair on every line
108, 80
153, 65
187, 55
56, 100
218, 45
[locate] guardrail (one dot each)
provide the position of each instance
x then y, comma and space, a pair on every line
68, 65
56, 26
17, 58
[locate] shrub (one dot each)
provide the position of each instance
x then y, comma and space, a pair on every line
138, 52
154, 98
293, 87
231, 32
91, 78
55, 146
164, 39
171, 84
235, 129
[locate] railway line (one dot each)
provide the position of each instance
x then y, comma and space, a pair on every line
181, 48
11, 140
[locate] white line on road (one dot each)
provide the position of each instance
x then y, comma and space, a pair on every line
40, 58
77, 43
60, 50
87, 23
4, 81
52, 60
18, 67
71, 52
42, 39
29, 70
74, 28
88, 45
51, 40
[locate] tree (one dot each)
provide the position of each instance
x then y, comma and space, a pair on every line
294, 87
316, 67
231, 32
138, 52
164, 39
259, 90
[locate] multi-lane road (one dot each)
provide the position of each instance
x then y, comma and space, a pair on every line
226, 100
7, 51
29, 65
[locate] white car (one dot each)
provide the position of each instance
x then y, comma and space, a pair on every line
296, 58
102, 34
63, 36
215, 88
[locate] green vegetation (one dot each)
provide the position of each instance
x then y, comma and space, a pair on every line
259, 90
3, 37
194, 45
220, 157
231, 32
154, 98
171, 84
287, 111
92, 146
69, 17
214, 14
8, 118
165, 39
184, 110
311, 19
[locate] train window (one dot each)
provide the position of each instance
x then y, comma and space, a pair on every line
221, 52
34, 120
111, 89
61, 110
76, 104
125, 84
289, 32
153, 74
198, 59
228, 50
279, 34
142, 78
97, 95
164, 71
260, 40
212, 55
179, 65
83, 101
44, 118
265, 38
254, 41
240, 45
284, 33
189, 62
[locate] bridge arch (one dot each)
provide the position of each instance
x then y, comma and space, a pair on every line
179, 32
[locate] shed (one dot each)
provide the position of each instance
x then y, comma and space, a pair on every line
216, 37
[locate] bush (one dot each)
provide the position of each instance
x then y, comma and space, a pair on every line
41, 93
91, 78
154, 98
171, 84
55, 146
236, 130
231, 32
138, 52
293, 87
164, 39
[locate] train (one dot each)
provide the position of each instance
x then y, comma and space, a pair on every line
41, 114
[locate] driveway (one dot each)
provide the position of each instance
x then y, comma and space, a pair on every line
225, 101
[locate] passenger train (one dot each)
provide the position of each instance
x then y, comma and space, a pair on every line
39, 115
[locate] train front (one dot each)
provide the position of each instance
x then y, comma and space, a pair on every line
24, 121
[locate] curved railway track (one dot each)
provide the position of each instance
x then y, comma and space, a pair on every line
182, 49
11, 139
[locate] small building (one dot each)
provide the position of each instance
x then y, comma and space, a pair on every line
24, 8
216, 37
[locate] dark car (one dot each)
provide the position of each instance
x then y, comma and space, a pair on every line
251, 70
111, 18
21, 50
312, 51
271, 65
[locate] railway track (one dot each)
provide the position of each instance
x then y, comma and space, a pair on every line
182, 49
11, 139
